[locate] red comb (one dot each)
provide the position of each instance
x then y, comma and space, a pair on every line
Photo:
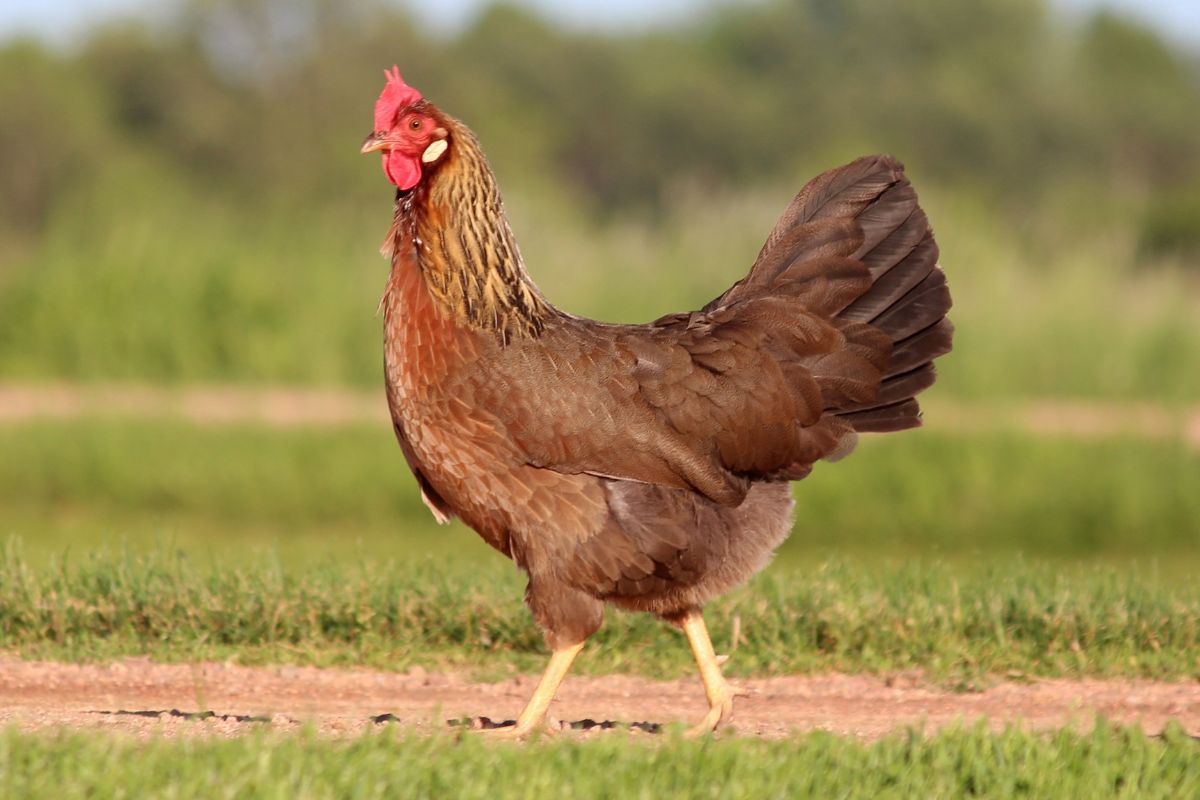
395, 95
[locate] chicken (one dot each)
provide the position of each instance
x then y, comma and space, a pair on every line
642, 466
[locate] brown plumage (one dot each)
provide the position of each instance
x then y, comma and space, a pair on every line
645, 466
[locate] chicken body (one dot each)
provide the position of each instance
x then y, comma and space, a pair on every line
647, 466
480, 421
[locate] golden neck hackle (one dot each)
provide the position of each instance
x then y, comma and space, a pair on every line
455, 225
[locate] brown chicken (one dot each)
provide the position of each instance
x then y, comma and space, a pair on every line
646, 466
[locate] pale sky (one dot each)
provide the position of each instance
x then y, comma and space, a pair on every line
63, 20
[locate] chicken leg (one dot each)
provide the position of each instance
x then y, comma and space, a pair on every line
534, 713
719, 691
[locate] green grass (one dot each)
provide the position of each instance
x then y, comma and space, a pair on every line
1105, 762
312, 494
959, 625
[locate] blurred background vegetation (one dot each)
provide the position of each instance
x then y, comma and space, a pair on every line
182, 201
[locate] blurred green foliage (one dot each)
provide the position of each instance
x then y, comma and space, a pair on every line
239, 99
1172, 226
183, 198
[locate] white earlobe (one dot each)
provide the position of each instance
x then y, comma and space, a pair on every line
434, 151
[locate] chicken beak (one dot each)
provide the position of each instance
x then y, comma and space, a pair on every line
376, 141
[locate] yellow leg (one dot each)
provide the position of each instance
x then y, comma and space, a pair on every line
720, 692
535, 710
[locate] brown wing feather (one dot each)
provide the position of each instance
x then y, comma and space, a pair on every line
773, 375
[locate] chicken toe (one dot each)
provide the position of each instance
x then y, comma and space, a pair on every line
534, 713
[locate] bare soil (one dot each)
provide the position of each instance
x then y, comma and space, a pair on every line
144, 698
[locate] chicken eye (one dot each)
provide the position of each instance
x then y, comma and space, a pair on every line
415, 123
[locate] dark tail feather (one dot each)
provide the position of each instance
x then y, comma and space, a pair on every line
921, 348
923, 305
916, 322
896, 266
904, 386
895, 417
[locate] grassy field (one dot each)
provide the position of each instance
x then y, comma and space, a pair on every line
961, 554
307, 494
976, 558
175, 222
959, 625
973, 556
1106, 762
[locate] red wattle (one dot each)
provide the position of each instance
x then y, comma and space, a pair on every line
402, 170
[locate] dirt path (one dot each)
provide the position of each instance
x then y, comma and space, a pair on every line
289, 406
143, 697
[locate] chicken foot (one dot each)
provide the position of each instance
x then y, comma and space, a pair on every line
720, 692
534, 713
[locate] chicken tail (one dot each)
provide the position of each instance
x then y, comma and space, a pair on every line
855, 246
